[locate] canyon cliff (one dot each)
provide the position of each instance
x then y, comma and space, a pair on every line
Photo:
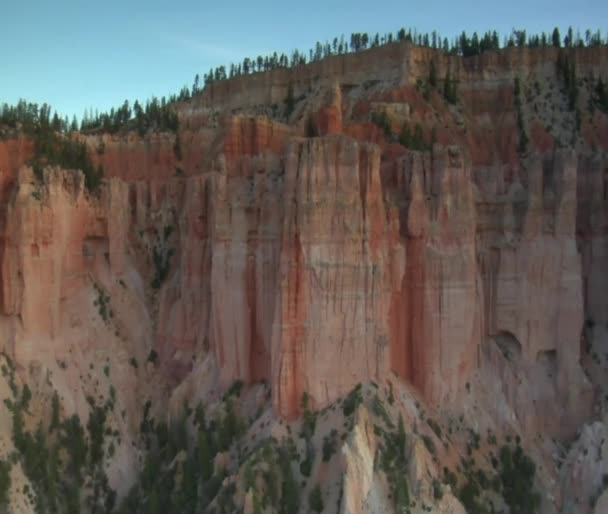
309, 251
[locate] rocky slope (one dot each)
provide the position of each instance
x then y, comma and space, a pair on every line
467, 280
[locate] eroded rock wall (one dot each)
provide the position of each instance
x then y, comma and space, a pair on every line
317, 263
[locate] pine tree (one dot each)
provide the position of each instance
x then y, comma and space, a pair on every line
5, 483
401, 438
555, 38
602, 95
433, 75
177, 148
205, 456
475, 48
569, 39
54, 412
449, 89
405, 138
290, 497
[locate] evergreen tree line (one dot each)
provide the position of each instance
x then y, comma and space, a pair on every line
30, 117
154, 115
51, 148
465, 45
190, 484
53, 144
159, 114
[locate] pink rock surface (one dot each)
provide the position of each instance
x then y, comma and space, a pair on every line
315, 264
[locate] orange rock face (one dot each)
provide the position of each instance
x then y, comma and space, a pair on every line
318, 263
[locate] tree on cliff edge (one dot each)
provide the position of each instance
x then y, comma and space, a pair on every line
555, 38
196, 85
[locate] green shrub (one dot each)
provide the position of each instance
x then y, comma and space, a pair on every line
311, 127
38, 171
434, 427
306, 464
491, 439
102, 302
153, 357
290, 101
415, 140
95, 427
566, 71
315, 499
177, 147
394, 462
379, 410
54, 412
469, 496
229, 428
330, 444
601, 95
352, 401
433, 75
290, 495
391, 396
235, 389
437, 490
72, 439
449, 477
309, 418
161, 258
381, 120
523, 136
450, 92
5, 482
517, 473
26, 396
401, 493
430, 445
205, 454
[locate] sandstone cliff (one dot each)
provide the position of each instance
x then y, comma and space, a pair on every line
470, 271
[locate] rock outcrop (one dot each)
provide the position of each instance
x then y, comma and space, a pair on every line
241, 249
585, 470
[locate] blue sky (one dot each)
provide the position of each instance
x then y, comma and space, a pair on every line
80, 54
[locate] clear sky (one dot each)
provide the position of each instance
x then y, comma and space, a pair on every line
77, 54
